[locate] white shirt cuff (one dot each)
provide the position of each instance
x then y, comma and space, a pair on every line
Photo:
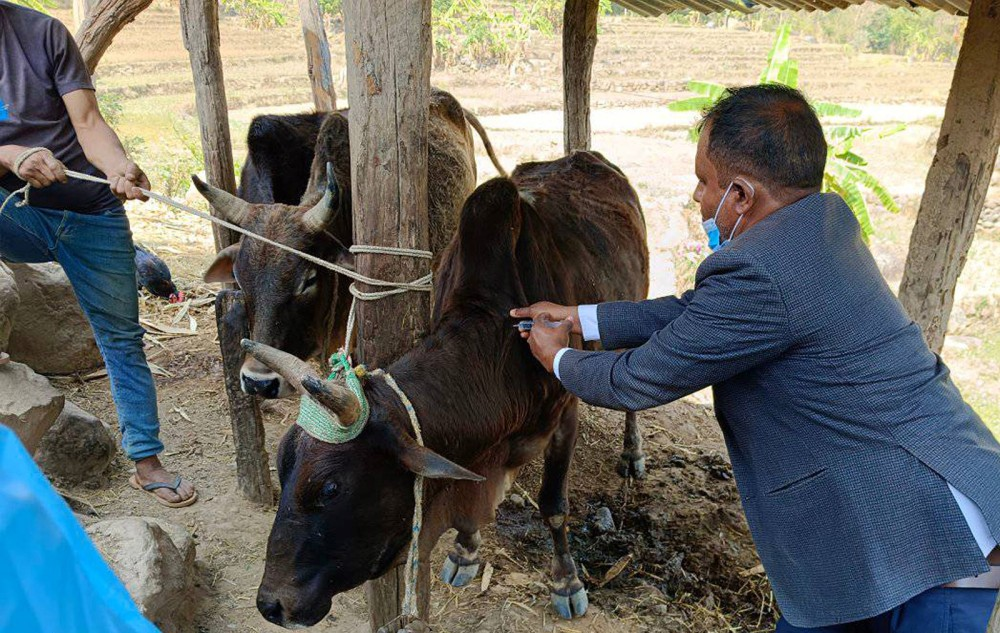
555, 361
588, 322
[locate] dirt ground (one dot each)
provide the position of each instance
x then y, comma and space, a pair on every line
680, 558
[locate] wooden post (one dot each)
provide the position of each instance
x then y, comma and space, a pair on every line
103, 22
958, 178
253, 474
317, 56
81, 9
388, 46
994, 625
579, 41
200, 29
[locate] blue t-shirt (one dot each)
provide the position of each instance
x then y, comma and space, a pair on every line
39, 63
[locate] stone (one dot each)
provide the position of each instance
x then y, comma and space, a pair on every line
50, 333
154, 559
77, 447
602, 522
10, 298
517, 501
28, 403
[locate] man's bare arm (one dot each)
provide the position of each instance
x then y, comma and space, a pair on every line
102, 147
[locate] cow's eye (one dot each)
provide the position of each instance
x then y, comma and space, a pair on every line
330, 490
309, 281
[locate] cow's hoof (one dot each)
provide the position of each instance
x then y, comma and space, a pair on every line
632, 467
458, 573
573, 605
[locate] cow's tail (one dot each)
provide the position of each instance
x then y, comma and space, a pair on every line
474, 122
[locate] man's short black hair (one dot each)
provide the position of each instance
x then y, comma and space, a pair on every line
769, 132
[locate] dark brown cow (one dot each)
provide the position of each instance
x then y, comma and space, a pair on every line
570, 231
291, 304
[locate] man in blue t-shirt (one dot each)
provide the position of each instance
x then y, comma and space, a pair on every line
50, 122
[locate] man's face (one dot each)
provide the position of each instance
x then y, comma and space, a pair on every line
709, 191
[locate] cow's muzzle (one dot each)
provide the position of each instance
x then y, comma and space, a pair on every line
277, 612
265, 384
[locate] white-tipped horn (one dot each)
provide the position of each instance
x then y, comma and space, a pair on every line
226, 205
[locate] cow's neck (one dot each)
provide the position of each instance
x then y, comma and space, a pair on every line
467, 383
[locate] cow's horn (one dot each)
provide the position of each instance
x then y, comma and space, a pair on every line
226, 205
335, 398
338, 399
317, 218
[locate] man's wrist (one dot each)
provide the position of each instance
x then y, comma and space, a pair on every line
556, 359
9, 153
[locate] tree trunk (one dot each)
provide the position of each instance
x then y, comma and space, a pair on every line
579, 41
958, 178
994, 625
253, 474
81, 9
317, 56
200, 29
105, 20
388, 50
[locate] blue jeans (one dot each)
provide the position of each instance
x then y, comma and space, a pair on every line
97, 254
938, 610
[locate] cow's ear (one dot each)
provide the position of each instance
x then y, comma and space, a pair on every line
425, 462
221, 270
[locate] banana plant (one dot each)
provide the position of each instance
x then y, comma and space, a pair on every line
846, 172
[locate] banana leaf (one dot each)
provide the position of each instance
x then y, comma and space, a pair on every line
706, 89
692, 104
834, 109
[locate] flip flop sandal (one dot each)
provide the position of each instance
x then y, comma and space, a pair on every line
157, 485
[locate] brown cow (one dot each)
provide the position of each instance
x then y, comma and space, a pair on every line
291, 304
569, 230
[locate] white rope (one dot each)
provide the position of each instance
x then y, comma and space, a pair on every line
389, 288
410, 575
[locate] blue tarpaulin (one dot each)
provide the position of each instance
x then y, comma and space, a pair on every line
52, 579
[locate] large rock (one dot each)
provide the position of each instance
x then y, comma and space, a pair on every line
28, 403
50, 333
77, 447
9, 300
154, 559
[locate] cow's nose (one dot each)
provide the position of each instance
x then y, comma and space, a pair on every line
264, 387
270, 608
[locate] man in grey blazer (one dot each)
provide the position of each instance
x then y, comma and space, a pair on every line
872, 490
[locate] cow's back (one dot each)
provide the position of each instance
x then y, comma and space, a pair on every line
587, 224
451, 167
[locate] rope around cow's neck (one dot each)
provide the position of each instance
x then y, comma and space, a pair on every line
422, 284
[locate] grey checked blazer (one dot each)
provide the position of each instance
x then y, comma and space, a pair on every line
842, 426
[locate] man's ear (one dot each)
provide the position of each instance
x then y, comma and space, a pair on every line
221, 270
746, 194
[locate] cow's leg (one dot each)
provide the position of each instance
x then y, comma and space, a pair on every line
568, 595
632, 462
462, 563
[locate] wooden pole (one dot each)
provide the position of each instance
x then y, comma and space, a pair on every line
994, 625
102, 23
958, 177
388, 52
317, 56
579, 41
200, 30
253, 475
81, 9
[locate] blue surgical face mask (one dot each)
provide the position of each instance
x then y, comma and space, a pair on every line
712, 229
